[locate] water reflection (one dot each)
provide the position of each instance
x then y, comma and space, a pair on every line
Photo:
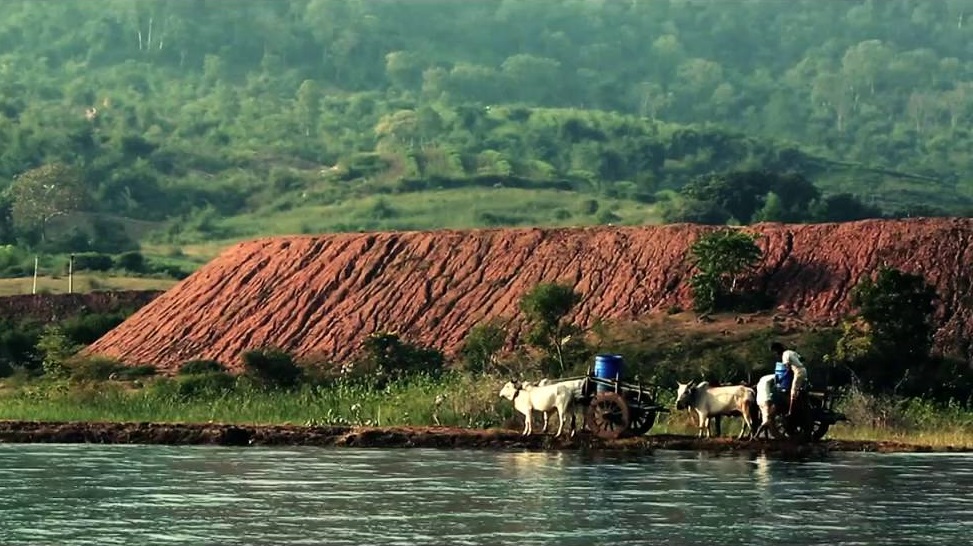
202, 495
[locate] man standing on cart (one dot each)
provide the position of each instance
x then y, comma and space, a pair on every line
794, 368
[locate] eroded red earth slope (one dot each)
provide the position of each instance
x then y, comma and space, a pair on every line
322, 294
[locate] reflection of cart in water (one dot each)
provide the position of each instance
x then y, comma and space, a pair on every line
616, 408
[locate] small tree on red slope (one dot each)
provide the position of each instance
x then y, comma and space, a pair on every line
721, 258
546, 307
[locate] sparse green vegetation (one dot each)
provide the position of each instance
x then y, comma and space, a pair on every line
456, 114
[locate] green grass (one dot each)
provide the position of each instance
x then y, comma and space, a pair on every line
469, 402
460, 208
441, 209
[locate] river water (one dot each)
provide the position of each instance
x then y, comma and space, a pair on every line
95, 494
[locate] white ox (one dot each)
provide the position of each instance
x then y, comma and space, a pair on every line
543, 398
711, 401
577, 390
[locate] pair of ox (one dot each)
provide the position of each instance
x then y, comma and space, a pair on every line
544, 397
709, 402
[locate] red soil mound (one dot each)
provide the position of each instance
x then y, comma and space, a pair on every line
322, 295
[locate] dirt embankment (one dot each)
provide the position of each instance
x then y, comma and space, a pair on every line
428, 437
320, 295
54, 307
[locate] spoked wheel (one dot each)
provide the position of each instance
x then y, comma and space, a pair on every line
819, 429
792, 428
642, 422
608, 416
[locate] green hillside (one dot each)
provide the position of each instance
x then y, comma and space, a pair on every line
186, 122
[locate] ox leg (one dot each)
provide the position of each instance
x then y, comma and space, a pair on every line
547, 419
528, 428
703, 422
745, 427
560, 422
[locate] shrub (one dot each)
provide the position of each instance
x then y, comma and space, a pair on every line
386, 356
588, 207
55, 349
96, 368
134, 372
199, 367
18, 346
93, 261
722, 259
271, 368
205, 384
131, 261
86, 329
482, 344
546, 307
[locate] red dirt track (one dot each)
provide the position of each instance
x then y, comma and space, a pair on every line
320, 295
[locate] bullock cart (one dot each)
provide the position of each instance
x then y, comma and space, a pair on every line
808, 423
616, 408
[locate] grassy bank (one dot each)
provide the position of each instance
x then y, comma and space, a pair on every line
469, 402
465, 401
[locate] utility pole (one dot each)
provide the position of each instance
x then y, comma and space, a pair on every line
71, 274
34, 289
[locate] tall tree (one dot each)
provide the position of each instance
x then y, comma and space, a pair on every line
44, 193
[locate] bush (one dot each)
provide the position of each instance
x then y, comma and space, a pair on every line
588, 207
205, 384
271, 368
722, 259
131, 261
200, 367
93, 261
86, 329
482, 345
55, 349
18, 346
134, 372
386, 356
97, 368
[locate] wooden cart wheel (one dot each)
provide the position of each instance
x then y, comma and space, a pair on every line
642, 422
791, 428
608, 415
819, 429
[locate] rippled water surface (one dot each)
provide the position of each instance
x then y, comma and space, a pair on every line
87, 494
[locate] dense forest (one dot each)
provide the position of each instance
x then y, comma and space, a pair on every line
210, 119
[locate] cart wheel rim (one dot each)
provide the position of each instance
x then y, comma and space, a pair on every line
608, 415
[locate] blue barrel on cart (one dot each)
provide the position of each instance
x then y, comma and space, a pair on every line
784, 376
607, 367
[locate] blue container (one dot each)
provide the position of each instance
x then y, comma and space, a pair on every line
608, 367
784, 376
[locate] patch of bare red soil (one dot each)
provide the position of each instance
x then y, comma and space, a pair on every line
321, 295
